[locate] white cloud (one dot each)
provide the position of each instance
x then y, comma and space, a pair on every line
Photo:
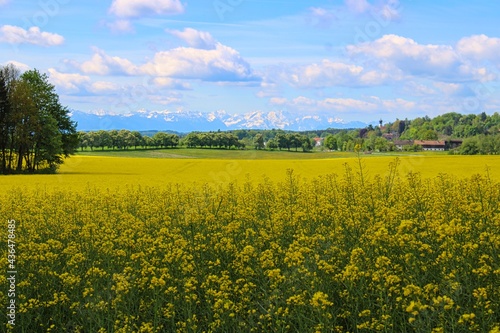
136, 8
329, 74
345, 105
17, 35
387, 9
439, 62
103, 64
449, 88
101, 87
480, 47
120, 26
278, 101
3, 2
165, 100
19, 65
325, 74
390, 10
414, 88
195, 38
220, 64
397, 105
166, 82
69, 82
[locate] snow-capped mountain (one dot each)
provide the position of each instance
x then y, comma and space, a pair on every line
188, 121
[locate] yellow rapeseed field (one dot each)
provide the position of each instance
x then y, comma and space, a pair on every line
79, 172
145, 245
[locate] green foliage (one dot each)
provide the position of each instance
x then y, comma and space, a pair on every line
259, 141
482, 144
35, 129
331, 142
450, 124
272, 144
125, 139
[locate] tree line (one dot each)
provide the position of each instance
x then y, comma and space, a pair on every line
36, 132
452, 124
125, 139
479, 132
280, 140
481, 145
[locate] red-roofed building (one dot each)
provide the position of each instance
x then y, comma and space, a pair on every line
431, 144
318, 142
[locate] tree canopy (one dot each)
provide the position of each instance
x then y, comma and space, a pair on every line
36, 132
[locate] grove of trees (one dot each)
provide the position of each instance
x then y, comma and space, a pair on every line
212, 140
125, 139
480, 133
36, 132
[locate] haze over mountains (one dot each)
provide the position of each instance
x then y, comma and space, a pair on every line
188, 121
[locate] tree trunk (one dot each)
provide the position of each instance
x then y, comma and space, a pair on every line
20, 160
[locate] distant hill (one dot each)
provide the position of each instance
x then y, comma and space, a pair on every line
183, 122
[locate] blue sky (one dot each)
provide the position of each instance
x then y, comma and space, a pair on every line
352, 59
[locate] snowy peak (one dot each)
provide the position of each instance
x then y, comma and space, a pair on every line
188, 121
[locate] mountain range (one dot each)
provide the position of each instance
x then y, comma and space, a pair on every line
188, 121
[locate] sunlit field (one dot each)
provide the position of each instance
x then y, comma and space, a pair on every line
341, 244
114, 171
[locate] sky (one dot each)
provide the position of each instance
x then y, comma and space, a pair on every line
355, 60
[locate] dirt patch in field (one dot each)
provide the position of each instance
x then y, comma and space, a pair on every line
165, 155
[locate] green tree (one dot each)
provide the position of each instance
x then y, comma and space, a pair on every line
307, 143
24, 119
192, 140
259, 141
381, 144
428, 134
83, 139
282, 140
295, 141
148, 141
35, 129
104, 139
272, 144
138, 139
470, 147
53, 117
160, 139
331, 142
8, 75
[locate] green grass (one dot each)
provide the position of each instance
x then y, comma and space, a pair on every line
234, 154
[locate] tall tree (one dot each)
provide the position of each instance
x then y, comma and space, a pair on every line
47, 103
8, 76
259, 141
35, 129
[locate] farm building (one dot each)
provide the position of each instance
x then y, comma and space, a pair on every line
431, 144
454, 143
400, 143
